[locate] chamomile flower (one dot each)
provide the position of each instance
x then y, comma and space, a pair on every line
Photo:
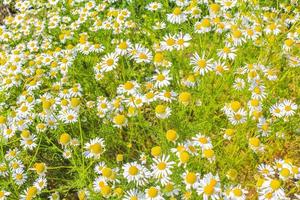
120, 120
190, 179
162, 111
177, 16
169, 42
123, 47
68, 116
288, 107
109, 62
136, 173
255, 144
162, 166
219, 67
19, 176
94, 148
236, 193
239, 84
266, 170
182, 41
153, 193
274, 187
4, 194
161, 79
238, 117
209, 187
200, 64
129, 87
134, 194
227, 53
154, 6
40, 183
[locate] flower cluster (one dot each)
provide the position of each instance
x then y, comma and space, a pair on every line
149, 100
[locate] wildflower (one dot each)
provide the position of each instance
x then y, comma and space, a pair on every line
94, 148
136, 173
177, 16
200, 64
162, 111
162, 166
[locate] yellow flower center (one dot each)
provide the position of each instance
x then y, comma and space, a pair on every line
184, 156
160, 109
96, 148
208, 153
275, 184
171, 135
185, 97
176, 11
133, 170
202, 63
285, 172
110, 62
159, 56
161, 165
170, 41
254, 142
235, 105
40, 167
205, 23
128, 85
156, 151
119, 119
123, 45
152, 192
106, 172
191, 178
64, 138
160, 77
180, 41
237, 34
32, 191
237, 192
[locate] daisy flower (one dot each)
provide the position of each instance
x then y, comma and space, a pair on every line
162, 111
134, 194
239, 84
266, 170
219, 67
68, 116
227, 53
4, 194
154, 6
109, 62
123, 47
162, 166
161, 79
177, 16
273, 186
288, 107
200, 64
136, 173
190, 179
182, 40
236, 193
204, 26
169, 43
202, 141
209, 187
129, 88
153, 193
120, 121
255, 144
94, 148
